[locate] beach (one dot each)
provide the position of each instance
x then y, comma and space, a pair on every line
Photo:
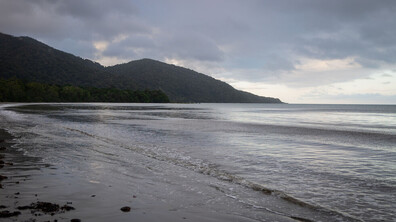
27, 181
102, 162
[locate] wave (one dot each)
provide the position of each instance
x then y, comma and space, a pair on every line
212, 170
310, 130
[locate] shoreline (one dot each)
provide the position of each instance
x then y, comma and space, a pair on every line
19, 203
91, 179
35, 191
104, 178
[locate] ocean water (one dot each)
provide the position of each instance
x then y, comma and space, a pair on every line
335, 160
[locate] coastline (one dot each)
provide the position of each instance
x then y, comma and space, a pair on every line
35, 191
99, 178
19, 203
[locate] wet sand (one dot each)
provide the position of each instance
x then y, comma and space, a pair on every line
120, 163
35, 191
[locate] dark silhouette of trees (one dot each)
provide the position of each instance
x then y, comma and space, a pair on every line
15, 90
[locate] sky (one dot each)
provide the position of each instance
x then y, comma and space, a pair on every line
301, 51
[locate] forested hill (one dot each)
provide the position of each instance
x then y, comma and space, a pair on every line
14, 90
182, 84
28, 59
31, 60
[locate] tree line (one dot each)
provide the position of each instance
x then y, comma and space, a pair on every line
16, 90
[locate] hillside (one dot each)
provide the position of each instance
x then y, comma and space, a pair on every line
31, 60
182, 84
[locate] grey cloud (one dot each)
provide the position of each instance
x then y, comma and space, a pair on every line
265, 35
128, 47
95, 9
192, 46
275, 62
334, 29
61, 19
184, 46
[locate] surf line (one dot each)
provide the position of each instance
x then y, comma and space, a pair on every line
210, 170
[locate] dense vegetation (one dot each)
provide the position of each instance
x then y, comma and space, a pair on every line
31, 60
14, 90
183, 85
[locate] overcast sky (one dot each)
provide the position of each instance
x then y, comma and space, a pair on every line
301, 51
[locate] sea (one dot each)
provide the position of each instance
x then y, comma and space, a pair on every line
300, 161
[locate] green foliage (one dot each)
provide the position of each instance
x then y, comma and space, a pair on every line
15, 90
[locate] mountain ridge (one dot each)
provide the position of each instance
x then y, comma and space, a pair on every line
32, 60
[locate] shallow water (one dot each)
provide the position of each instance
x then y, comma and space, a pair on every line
339, 160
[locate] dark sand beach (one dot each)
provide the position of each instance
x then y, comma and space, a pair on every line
35, 191
112, 162
20, 198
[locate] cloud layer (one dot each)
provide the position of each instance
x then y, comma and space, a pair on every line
293, 44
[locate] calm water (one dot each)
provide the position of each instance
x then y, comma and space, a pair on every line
336, 158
